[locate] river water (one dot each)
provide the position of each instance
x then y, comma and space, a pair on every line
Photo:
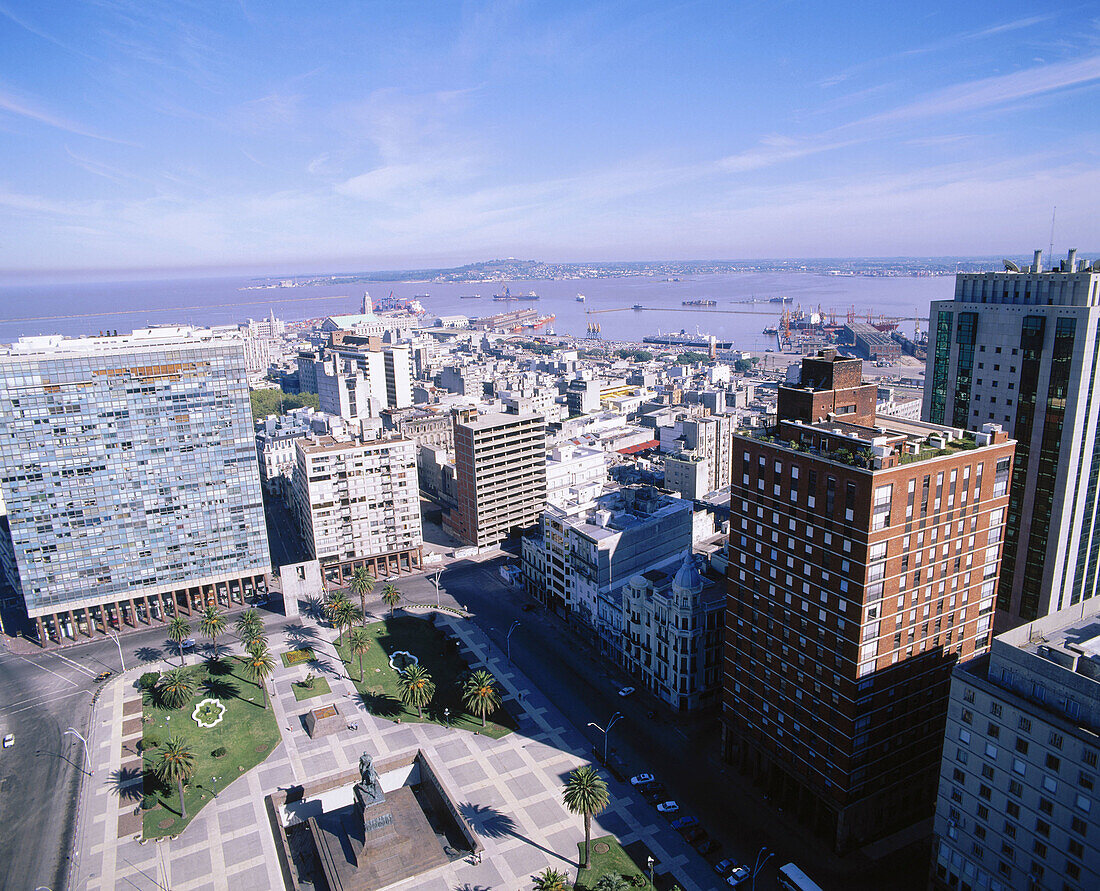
89, 308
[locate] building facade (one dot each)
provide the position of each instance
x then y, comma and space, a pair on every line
500, 466
862, 564
712, 438
358, 504
1017, 804
129, 476
575, 473
1020, 348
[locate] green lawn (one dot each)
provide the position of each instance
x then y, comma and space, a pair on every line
616, 860
379, 687
320, 688
248, 732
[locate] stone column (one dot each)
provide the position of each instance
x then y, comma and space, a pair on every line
42, 642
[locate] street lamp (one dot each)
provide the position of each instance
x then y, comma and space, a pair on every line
649, 862
615, 717
508, 639
435, 581
119, 645
447, 716
87, 761
214, 780
760, 864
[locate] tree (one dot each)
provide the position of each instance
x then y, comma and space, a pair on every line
179, 629
175, 764
344, 615
551, 880
391, 597
586, 794
417, 688
612, 881
480, 694
362, 583
259, 664
250, 626
175, 687
211, 625
332, 604
359, 644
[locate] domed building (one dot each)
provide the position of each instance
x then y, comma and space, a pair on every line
672, 633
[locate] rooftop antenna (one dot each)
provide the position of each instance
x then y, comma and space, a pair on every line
1050, 249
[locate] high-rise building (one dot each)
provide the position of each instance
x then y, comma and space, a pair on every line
1017, 804
358, 504
1021, 349
129, 475
500, 465
863, 557
711, 437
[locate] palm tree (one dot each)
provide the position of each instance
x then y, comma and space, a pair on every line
362, 583
175, 764
344, 615
249, 626
179, 629
391, 597
175, 687
612, 881
480, 694
332, 604
259, 665
551, 880
417, 688
585, 793
359, 644
211, 625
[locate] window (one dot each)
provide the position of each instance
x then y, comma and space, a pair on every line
1039, 848
1084, 780
1089, 757
1053, 762
995, 709
1024, 724
1043, 828
1046, 806
1013, 810
993, 731
1016, 788
967, 716
1084, 803
1021, 745
1079, 826
985, 792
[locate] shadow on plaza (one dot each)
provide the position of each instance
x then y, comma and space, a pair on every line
126, 783
493, 824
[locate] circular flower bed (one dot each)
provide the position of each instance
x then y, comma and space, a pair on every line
208, 713
402, 659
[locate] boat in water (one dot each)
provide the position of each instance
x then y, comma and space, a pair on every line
579, 298
700, 303
683, 339
637, 306
469, 297
530, 295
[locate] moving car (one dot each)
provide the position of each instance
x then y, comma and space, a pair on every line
103, 675
188, 643
641, 779
626, 691
9, 740
668, 808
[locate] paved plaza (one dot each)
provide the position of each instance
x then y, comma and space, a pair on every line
509, 789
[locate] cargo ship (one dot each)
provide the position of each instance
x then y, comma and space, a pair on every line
683, 339
700, 303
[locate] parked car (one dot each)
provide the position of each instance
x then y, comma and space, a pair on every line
641, 779
682, 823
694, 834
668, 808
188, 643
739, 875
724, 866
626, 691
655, 794
705, 846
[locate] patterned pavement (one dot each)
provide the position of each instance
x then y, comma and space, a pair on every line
510, 790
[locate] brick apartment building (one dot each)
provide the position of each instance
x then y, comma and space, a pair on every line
864, 556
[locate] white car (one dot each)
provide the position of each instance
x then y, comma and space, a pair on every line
739, 875
188, 643
626, 691
668, 807
9, 740
641, 779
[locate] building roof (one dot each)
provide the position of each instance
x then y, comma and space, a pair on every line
688, 577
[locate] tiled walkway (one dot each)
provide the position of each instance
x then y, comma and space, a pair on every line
510, 789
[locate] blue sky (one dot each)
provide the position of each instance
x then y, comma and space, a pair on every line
362, 135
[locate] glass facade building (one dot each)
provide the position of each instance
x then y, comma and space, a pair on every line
129, 475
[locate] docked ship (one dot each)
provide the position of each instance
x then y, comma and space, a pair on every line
683, 339
536, 324
700, 303
469, 297
580, 298
637, 306
393, 303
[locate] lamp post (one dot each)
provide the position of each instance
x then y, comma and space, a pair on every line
508, 639
760, 864
649, 862
447, 716
214, 780
435, 581
118, 644
615, 717
87, 761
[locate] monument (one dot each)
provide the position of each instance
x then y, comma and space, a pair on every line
368, 791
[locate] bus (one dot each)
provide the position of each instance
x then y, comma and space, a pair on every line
791, 878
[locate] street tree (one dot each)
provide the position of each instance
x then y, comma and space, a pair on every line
344, 616
175, 688
480, 694
259, 665
359, 644
179, 629
250, 625
174, 766
211, 625
362, 583
417, 688
391, 597
586, 794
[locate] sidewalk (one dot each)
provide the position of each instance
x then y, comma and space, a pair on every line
510, 789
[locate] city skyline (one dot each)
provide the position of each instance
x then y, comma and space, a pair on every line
146, 136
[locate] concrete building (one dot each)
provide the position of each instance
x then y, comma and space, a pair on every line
582, 396
358, 504
129, 476
575, 474
688, 474
1019, 348
712, 438
863, 562
672, 634
351, 387
397, 361
1017, 804
500, 464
